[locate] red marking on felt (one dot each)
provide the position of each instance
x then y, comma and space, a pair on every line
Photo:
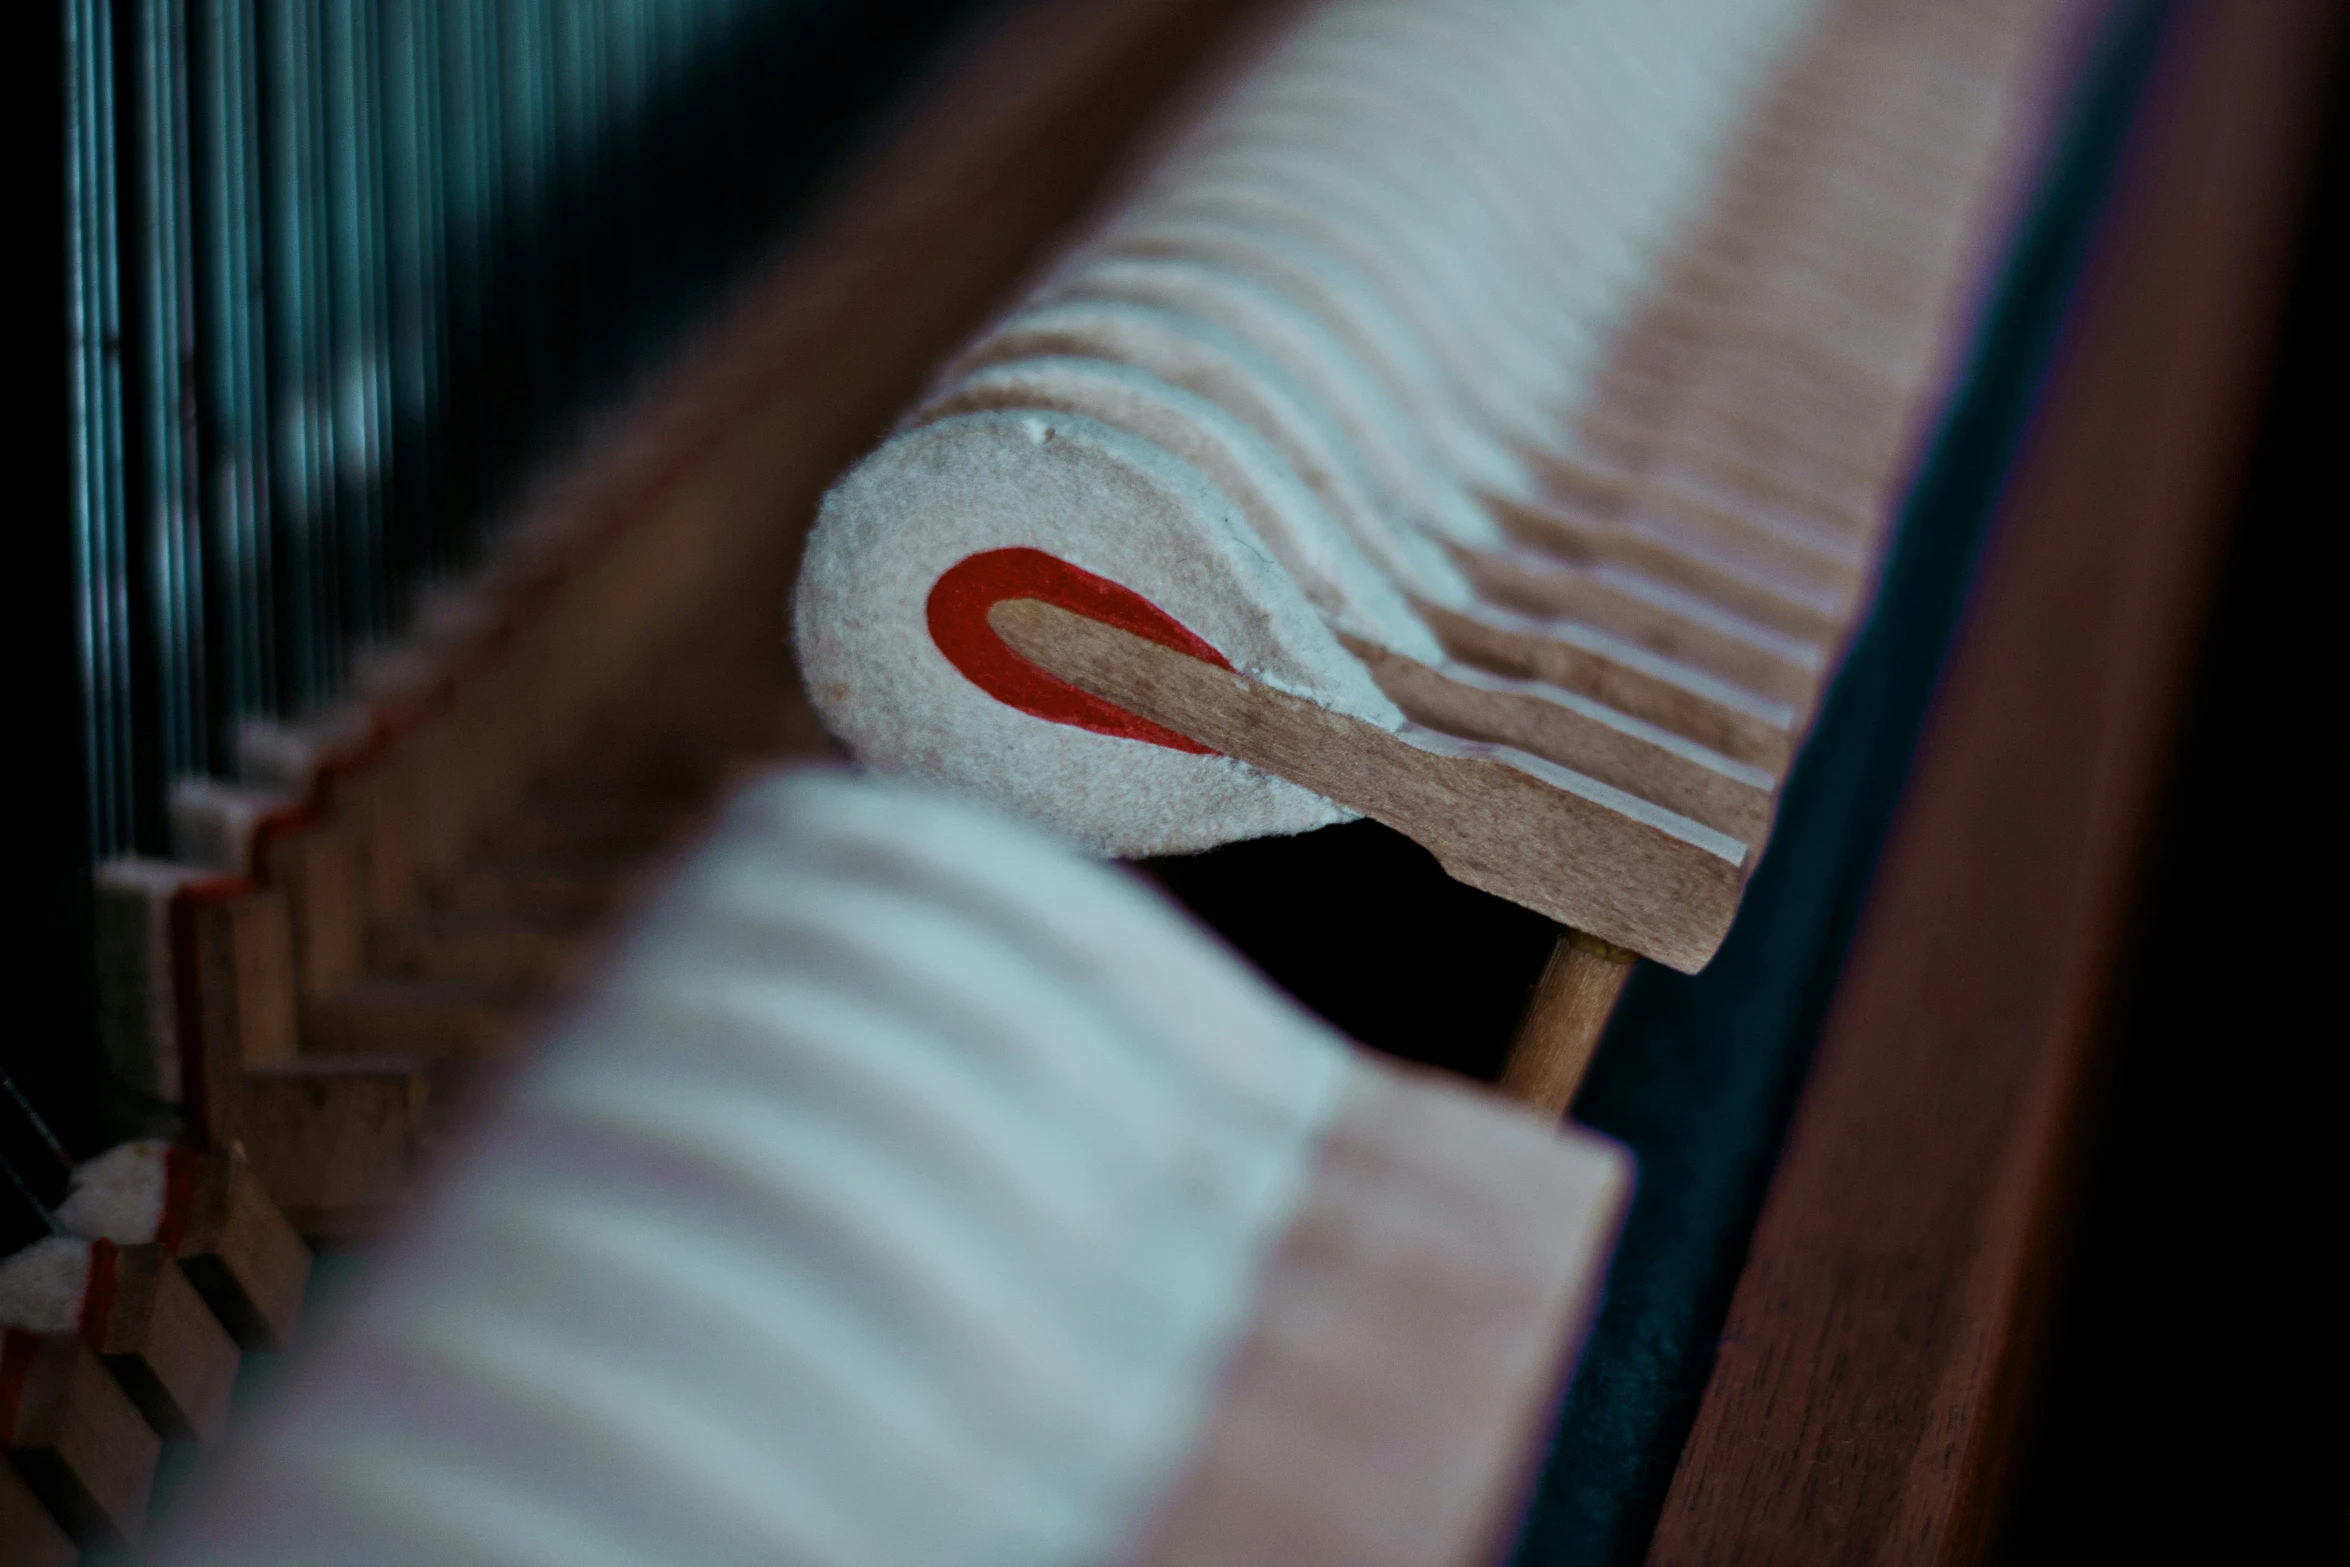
180, 1167
967, 590
98, 1294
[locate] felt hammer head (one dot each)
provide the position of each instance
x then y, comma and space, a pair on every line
1114, 508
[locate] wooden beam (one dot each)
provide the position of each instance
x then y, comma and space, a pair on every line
1881, 1340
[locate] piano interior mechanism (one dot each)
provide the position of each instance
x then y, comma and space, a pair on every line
1175, 781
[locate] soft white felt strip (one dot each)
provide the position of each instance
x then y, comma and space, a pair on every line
1462, 120
1301, 534
41, 1286
1390, 442
1350, 304
120, 1195
1203, 358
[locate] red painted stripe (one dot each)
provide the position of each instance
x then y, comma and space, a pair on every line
98, 1294
967, 590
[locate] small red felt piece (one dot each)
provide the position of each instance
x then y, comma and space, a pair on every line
967, 590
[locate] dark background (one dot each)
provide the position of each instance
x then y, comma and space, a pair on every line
2196, 1406
47, 1036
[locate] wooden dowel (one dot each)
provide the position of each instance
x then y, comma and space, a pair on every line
1563, 1022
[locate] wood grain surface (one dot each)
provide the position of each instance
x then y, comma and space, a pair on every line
76, 1438
1389, 1391
1665, 891
1474, 705
166, 1349
334, 1139
242, 1255
1883, 1331
1563, 1022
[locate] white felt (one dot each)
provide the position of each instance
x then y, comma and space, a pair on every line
1235, 375
1301, 534
119, 1195
1242, 205
1106, 502
898, 1196
1352, 304
1521, 165
41, 1287
1389, 441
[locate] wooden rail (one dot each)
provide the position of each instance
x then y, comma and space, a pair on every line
1883, 1333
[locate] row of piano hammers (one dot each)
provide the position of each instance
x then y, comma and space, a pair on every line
1487, 420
